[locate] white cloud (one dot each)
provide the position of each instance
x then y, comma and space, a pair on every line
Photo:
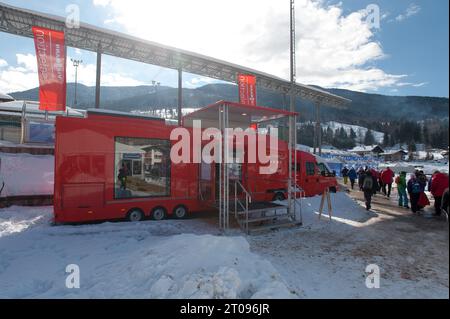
333, 49
3, 63
28, 61
412, 10
24, 75
20, 77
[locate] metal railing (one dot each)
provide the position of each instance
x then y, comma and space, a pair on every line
248, 200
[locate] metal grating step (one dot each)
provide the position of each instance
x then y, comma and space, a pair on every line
273, 226
267, 218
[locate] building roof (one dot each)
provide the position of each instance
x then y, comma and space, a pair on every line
5, 97
393, 152
366, 148
32, 107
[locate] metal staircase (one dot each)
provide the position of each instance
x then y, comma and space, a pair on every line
255, 217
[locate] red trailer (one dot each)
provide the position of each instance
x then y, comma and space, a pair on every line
111, 165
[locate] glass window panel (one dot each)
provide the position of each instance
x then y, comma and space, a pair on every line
142, 167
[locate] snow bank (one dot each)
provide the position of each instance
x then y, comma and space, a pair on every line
16, 219
127, 260
26, 174
344, 210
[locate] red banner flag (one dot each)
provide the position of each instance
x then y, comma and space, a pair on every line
247, 89
51, 61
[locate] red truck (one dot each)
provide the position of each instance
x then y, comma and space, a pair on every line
114, 166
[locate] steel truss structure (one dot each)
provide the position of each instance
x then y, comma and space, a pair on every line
19, 21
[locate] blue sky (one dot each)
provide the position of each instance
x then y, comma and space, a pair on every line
407, 55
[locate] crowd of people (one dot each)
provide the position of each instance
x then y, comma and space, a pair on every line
411, 192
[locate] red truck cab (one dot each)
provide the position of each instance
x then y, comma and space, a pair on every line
314, 175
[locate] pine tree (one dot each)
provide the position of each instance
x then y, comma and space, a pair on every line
386, 140
369, 139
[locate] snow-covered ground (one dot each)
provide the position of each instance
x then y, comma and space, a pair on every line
168, 259
429, 167
192, 259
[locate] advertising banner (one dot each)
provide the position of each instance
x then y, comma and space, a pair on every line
247, 89
51, 62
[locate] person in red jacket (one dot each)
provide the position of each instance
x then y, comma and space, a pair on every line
439, 182
387, 177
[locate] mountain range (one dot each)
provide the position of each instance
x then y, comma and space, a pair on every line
365, 108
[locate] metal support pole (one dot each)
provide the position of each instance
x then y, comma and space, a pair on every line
180, 94
319, 134
23, 123
76, 75
220, 169
227, 175
291, 211
318, 130
317, 127
98, 79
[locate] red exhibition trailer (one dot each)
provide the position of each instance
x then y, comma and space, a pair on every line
112, 165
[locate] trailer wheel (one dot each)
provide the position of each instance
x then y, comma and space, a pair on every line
135, 215
180, 212
278, 196
159, 213
333, 189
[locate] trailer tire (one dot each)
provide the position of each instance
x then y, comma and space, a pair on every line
278, 196
158, 213
135, 215
180, 212
333, 189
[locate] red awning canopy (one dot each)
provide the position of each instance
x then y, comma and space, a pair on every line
239, 115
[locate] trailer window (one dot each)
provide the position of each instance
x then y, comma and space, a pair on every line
142, 167
310, 168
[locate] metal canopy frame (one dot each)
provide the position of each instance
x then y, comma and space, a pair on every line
87, 37
225, 114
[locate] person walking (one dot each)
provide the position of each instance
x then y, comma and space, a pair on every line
352, 175
344, 173
415, 188
439, 182
361, 175
387, 178
423, 198
445, 203
401, 188
368, 189
376, 180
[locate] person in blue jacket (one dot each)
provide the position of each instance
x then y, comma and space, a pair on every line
352, 175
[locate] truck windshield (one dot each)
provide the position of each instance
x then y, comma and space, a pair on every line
323, 169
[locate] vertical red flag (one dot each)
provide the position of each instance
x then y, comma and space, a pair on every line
51, 61
247, 89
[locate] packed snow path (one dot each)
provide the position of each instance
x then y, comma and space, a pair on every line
190, 259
